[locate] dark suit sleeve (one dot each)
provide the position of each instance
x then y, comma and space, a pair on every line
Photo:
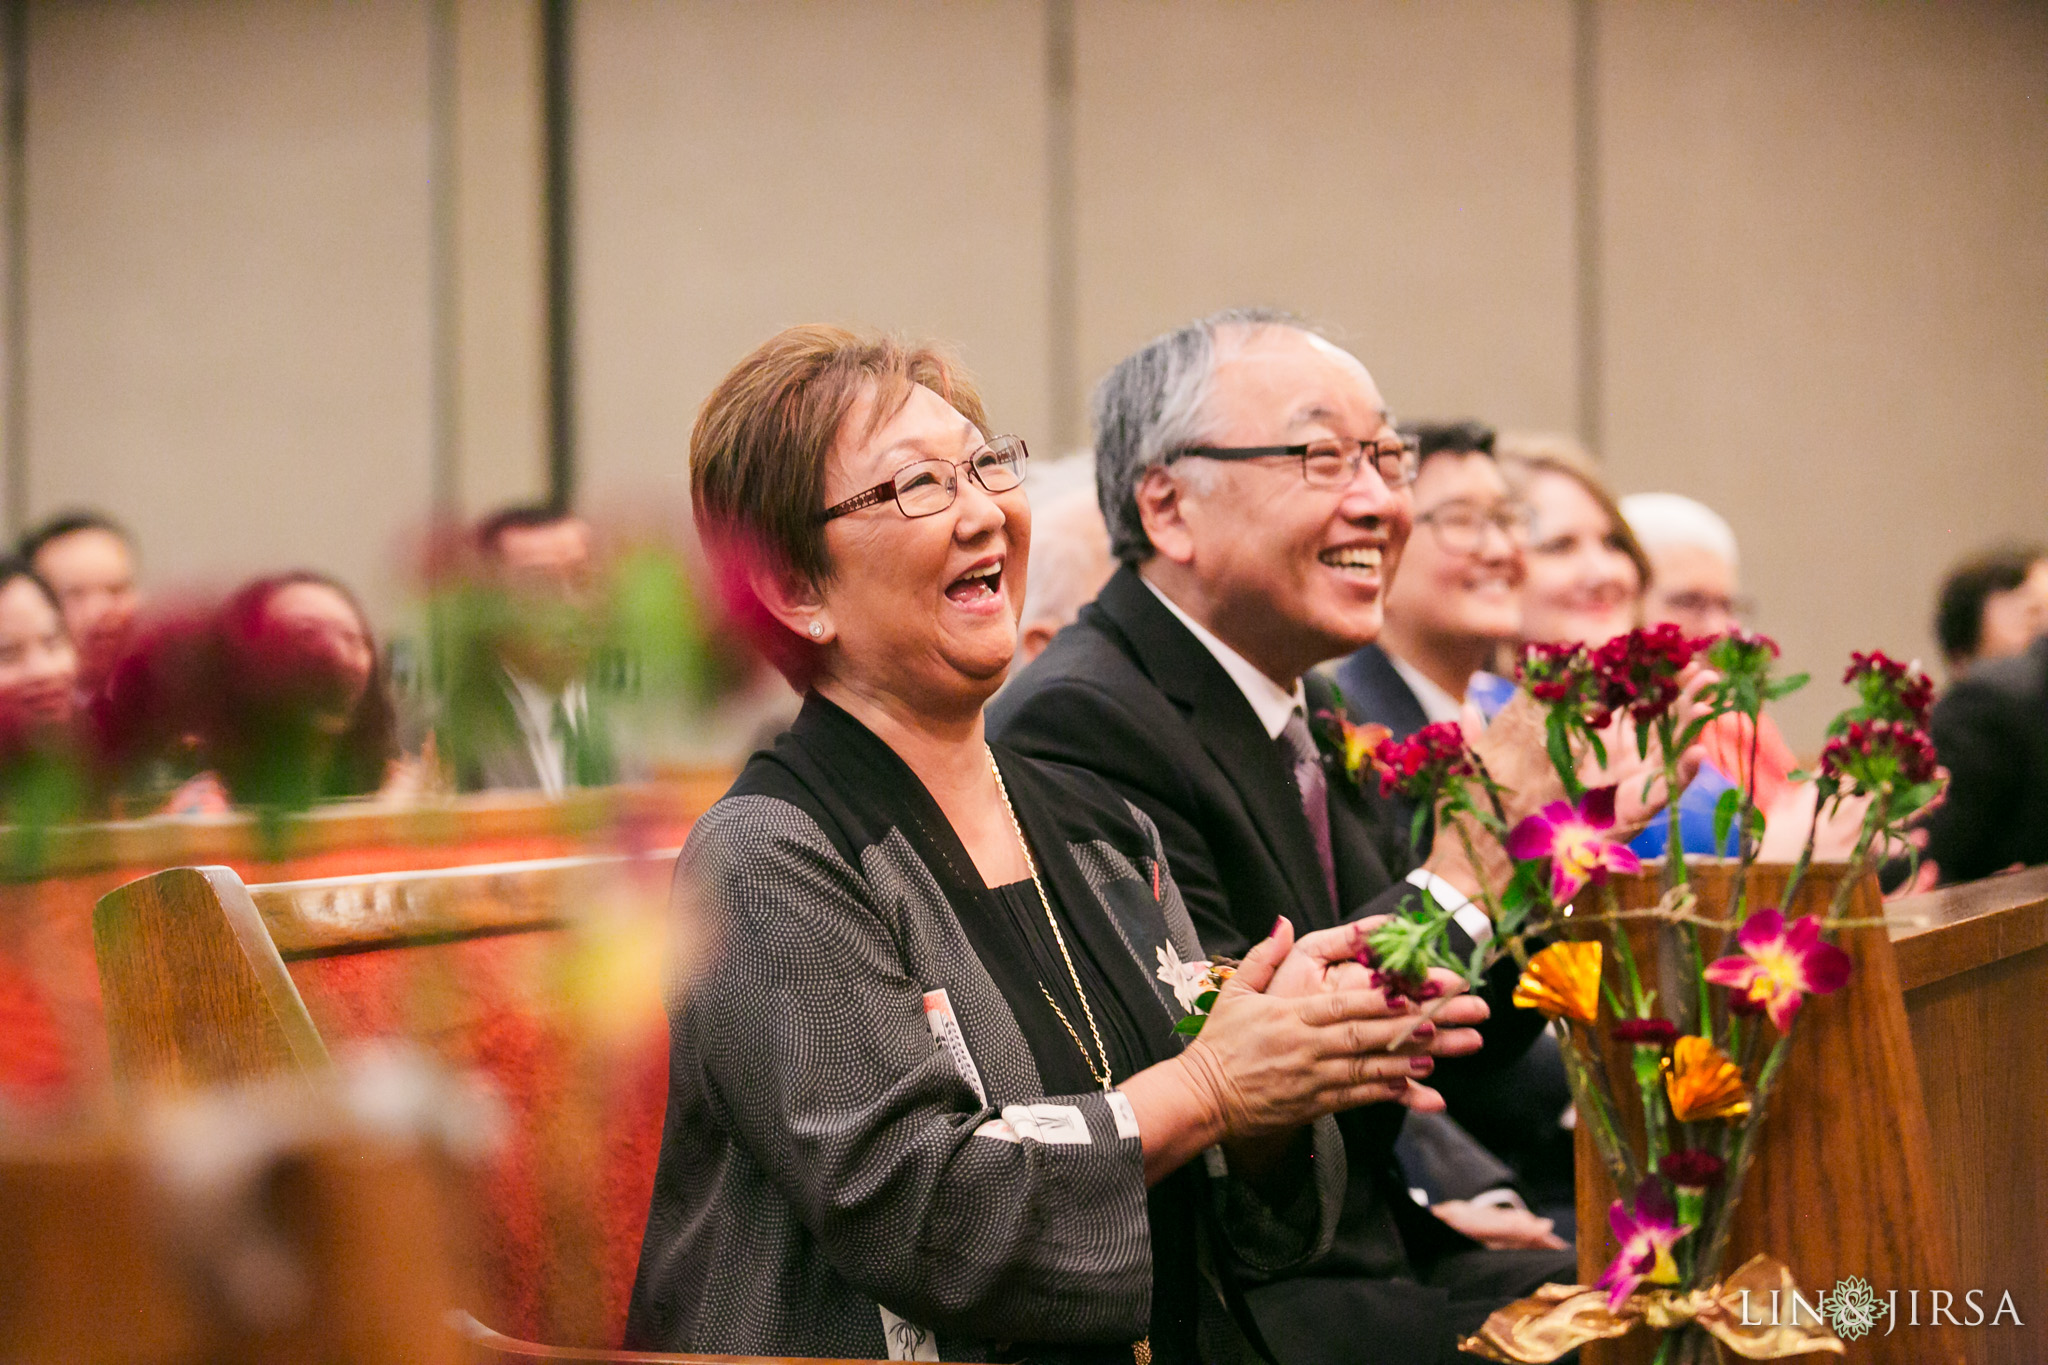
1980, 742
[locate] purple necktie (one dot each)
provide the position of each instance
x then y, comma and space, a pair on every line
1315, 794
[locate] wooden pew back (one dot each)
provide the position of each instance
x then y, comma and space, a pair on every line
542, 976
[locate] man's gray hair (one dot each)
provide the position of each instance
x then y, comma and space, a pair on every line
1154, 403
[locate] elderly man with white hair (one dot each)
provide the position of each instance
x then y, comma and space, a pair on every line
1696, 565
1257, 497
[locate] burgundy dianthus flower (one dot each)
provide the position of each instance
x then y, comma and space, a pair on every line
1651, 1032
1551, 672
1395, 983
1694, 1170
1872, 752
1417, 767
1638, 673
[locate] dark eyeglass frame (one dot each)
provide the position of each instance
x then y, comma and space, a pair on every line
1404, 449
1515, 520
892, 488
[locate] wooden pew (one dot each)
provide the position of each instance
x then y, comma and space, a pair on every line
1973, 965
49, 987
544, 976
1908, 1142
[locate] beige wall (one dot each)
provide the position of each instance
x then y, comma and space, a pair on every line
1826, 273
1822, 274
747, 167
228, 327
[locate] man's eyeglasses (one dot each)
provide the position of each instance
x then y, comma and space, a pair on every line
1332, 462
929, 486
1460, 527
1696, 603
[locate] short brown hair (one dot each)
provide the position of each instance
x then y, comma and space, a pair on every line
758, 451
1525, 454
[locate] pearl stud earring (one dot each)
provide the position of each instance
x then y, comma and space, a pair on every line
817, 630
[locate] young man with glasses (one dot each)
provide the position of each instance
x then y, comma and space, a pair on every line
1258, 498
1456, 601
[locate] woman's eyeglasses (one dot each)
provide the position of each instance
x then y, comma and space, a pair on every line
929, 486
1331, 462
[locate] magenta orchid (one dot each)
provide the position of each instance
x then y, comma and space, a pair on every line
1646, 1234
1571, 837
1779, 966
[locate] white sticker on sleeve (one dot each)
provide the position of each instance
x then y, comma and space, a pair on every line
1056, 1125
945, 1027
1126, 1117
908, 1341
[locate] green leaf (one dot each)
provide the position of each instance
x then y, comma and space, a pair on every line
1206, 1001
1190, 1024
1787, 686
1724, 816
1418, 825
1560, 748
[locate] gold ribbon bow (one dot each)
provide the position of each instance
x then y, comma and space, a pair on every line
1559, 1317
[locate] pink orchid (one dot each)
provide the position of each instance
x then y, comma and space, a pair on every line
1647, 1235
1779, 966
1570, 836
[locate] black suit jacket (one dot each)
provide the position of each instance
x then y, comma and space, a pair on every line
1991, 731
1130, 694
1374, 692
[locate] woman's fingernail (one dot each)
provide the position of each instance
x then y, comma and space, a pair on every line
1425, 1029
1398, 1083
1422, 1066
1278, 925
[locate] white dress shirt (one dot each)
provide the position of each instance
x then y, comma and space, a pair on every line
1273, 704
1437, 704
534, 705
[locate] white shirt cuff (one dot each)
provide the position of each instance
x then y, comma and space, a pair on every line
1464, 913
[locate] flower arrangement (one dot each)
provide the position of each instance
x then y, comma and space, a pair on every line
1705, 1053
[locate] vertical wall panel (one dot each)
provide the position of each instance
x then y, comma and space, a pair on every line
228, 298
746, 167
1827, 284
1402, 173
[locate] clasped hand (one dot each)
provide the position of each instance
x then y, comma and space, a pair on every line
1300, 1031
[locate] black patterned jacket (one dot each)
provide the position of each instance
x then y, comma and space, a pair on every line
860, 1159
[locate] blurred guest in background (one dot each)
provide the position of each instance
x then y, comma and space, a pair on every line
1455, 602
1992, 606
45, 756
1991, 732
1695, 569
1453, 606
303, 712
1586, 572
1069, 551
89, 562
38, 666
1696, 584
520, 710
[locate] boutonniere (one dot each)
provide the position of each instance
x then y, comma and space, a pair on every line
1194, 985
1348, 748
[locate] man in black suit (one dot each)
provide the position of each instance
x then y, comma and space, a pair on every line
1256, 494
1991, 731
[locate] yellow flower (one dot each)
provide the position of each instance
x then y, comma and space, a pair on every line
1563, 981
1702, 1082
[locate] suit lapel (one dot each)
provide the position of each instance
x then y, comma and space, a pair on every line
1355, 827
1229, 731
1375, 691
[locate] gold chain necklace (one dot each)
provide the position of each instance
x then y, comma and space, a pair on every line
1101, 1073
